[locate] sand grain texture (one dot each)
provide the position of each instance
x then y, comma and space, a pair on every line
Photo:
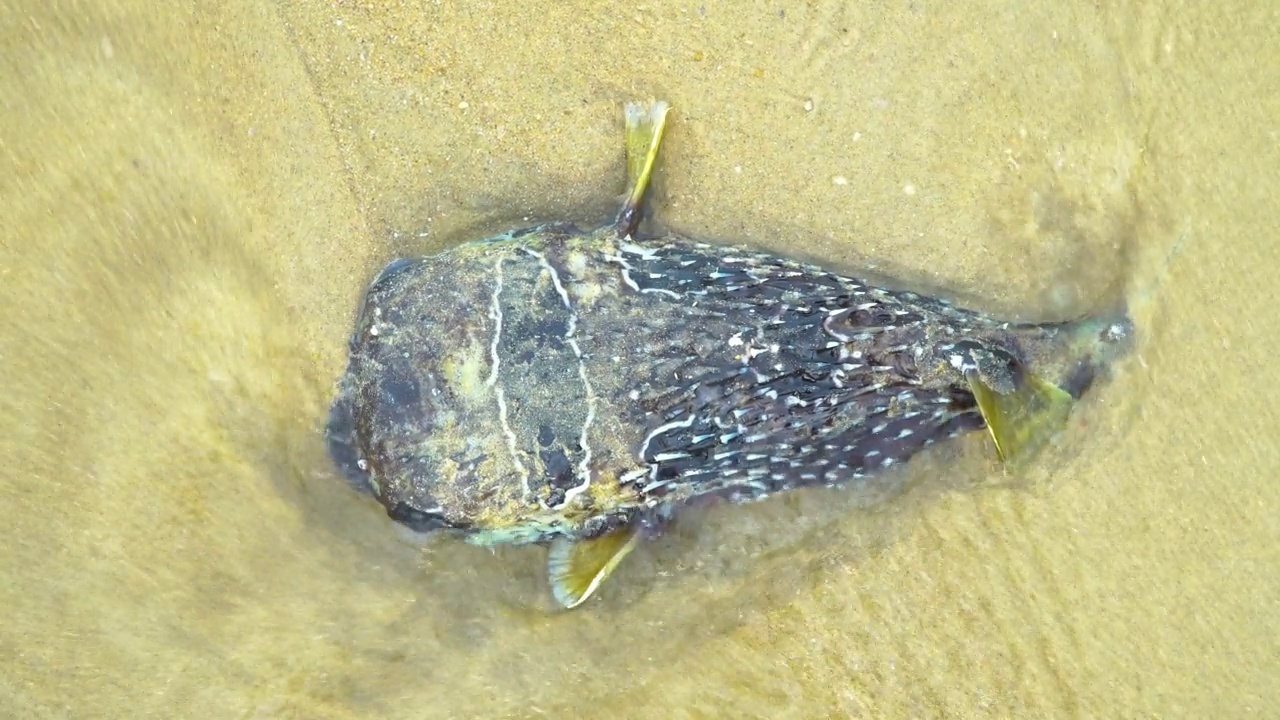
192, 200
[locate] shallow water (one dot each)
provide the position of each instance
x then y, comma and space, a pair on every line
194, 199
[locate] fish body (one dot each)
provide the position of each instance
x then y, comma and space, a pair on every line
577, 388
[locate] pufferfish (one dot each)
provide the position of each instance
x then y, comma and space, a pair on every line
575, 388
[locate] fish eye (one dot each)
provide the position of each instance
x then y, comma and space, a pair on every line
421, 521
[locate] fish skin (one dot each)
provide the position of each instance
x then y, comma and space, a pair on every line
557, 383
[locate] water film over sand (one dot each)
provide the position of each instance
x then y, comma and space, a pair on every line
194, 198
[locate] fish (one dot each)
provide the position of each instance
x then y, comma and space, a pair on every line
576, 388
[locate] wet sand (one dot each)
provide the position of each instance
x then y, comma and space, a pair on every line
192, 201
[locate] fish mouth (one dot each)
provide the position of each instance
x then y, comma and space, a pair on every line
340, 440
342, 443
340, 427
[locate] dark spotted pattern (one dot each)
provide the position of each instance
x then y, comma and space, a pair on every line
553, 382
818, 380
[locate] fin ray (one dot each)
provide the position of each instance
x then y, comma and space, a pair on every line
576, 569
645, 124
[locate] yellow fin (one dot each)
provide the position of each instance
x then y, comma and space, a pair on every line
645, 123
576, 568
1020, 421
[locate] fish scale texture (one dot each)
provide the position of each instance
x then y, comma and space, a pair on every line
558, 383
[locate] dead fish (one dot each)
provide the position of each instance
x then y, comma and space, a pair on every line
576, 388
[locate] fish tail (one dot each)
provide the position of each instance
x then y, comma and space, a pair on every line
1025, 406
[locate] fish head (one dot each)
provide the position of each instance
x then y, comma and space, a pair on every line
407, 438
463, 408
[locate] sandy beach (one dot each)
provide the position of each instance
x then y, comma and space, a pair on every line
193, 199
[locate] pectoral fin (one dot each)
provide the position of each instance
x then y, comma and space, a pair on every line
645, 124
1022, 420
576, 568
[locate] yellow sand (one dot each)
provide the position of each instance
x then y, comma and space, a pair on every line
192, 200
